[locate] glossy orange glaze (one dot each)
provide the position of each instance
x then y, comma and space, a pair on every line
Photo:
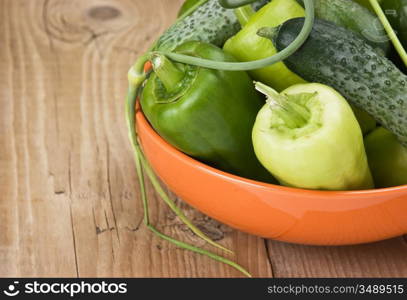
271, 211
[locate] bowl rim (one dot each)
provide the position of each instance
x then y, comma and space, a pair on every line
192, 161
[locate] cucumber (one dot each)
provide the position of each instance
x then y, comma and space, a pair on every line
341, 59
357, 18
210, 23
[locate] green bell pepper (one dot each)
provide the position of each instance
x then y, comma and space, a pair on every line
207, 114
387, 158
308, 137
246, 45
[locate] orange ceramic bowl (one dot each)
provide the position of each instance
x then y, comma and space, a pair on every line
276, 212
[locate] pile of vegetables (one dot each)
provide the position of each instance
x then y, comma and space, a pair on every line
303, 93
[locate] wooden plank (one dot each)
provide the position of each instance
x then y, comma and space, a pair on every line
69, 195
381, 259
35, 215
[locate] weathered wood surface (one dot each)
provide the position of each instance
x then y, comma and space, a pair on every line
69, 201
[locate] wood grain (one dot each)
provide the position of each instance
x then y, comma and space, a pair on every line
69, 201
381, 259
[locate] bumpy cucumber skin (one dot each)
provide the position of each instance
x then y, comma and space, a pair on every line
210, 23
339, 58
355, 17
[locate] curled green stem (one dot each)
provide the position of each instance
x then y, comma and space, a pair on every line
200, 251
293, 114
136, 74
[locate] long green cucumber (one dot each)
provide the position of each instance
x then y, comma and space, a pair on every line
341, 59
209, 23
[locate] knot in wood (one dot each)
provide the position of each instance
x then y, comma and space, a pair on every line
104, 13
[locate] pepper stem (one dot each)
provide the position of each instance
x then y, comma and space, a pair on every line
244, 14
293, 114
168, 72
268, 32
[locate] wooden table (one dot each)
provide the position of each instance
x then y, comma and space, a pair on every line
69, 200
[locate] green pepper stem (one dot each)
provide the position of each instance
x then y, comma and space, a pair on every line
244, 14
390, 31
256, 64
294, 115
268, 32
169, 73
